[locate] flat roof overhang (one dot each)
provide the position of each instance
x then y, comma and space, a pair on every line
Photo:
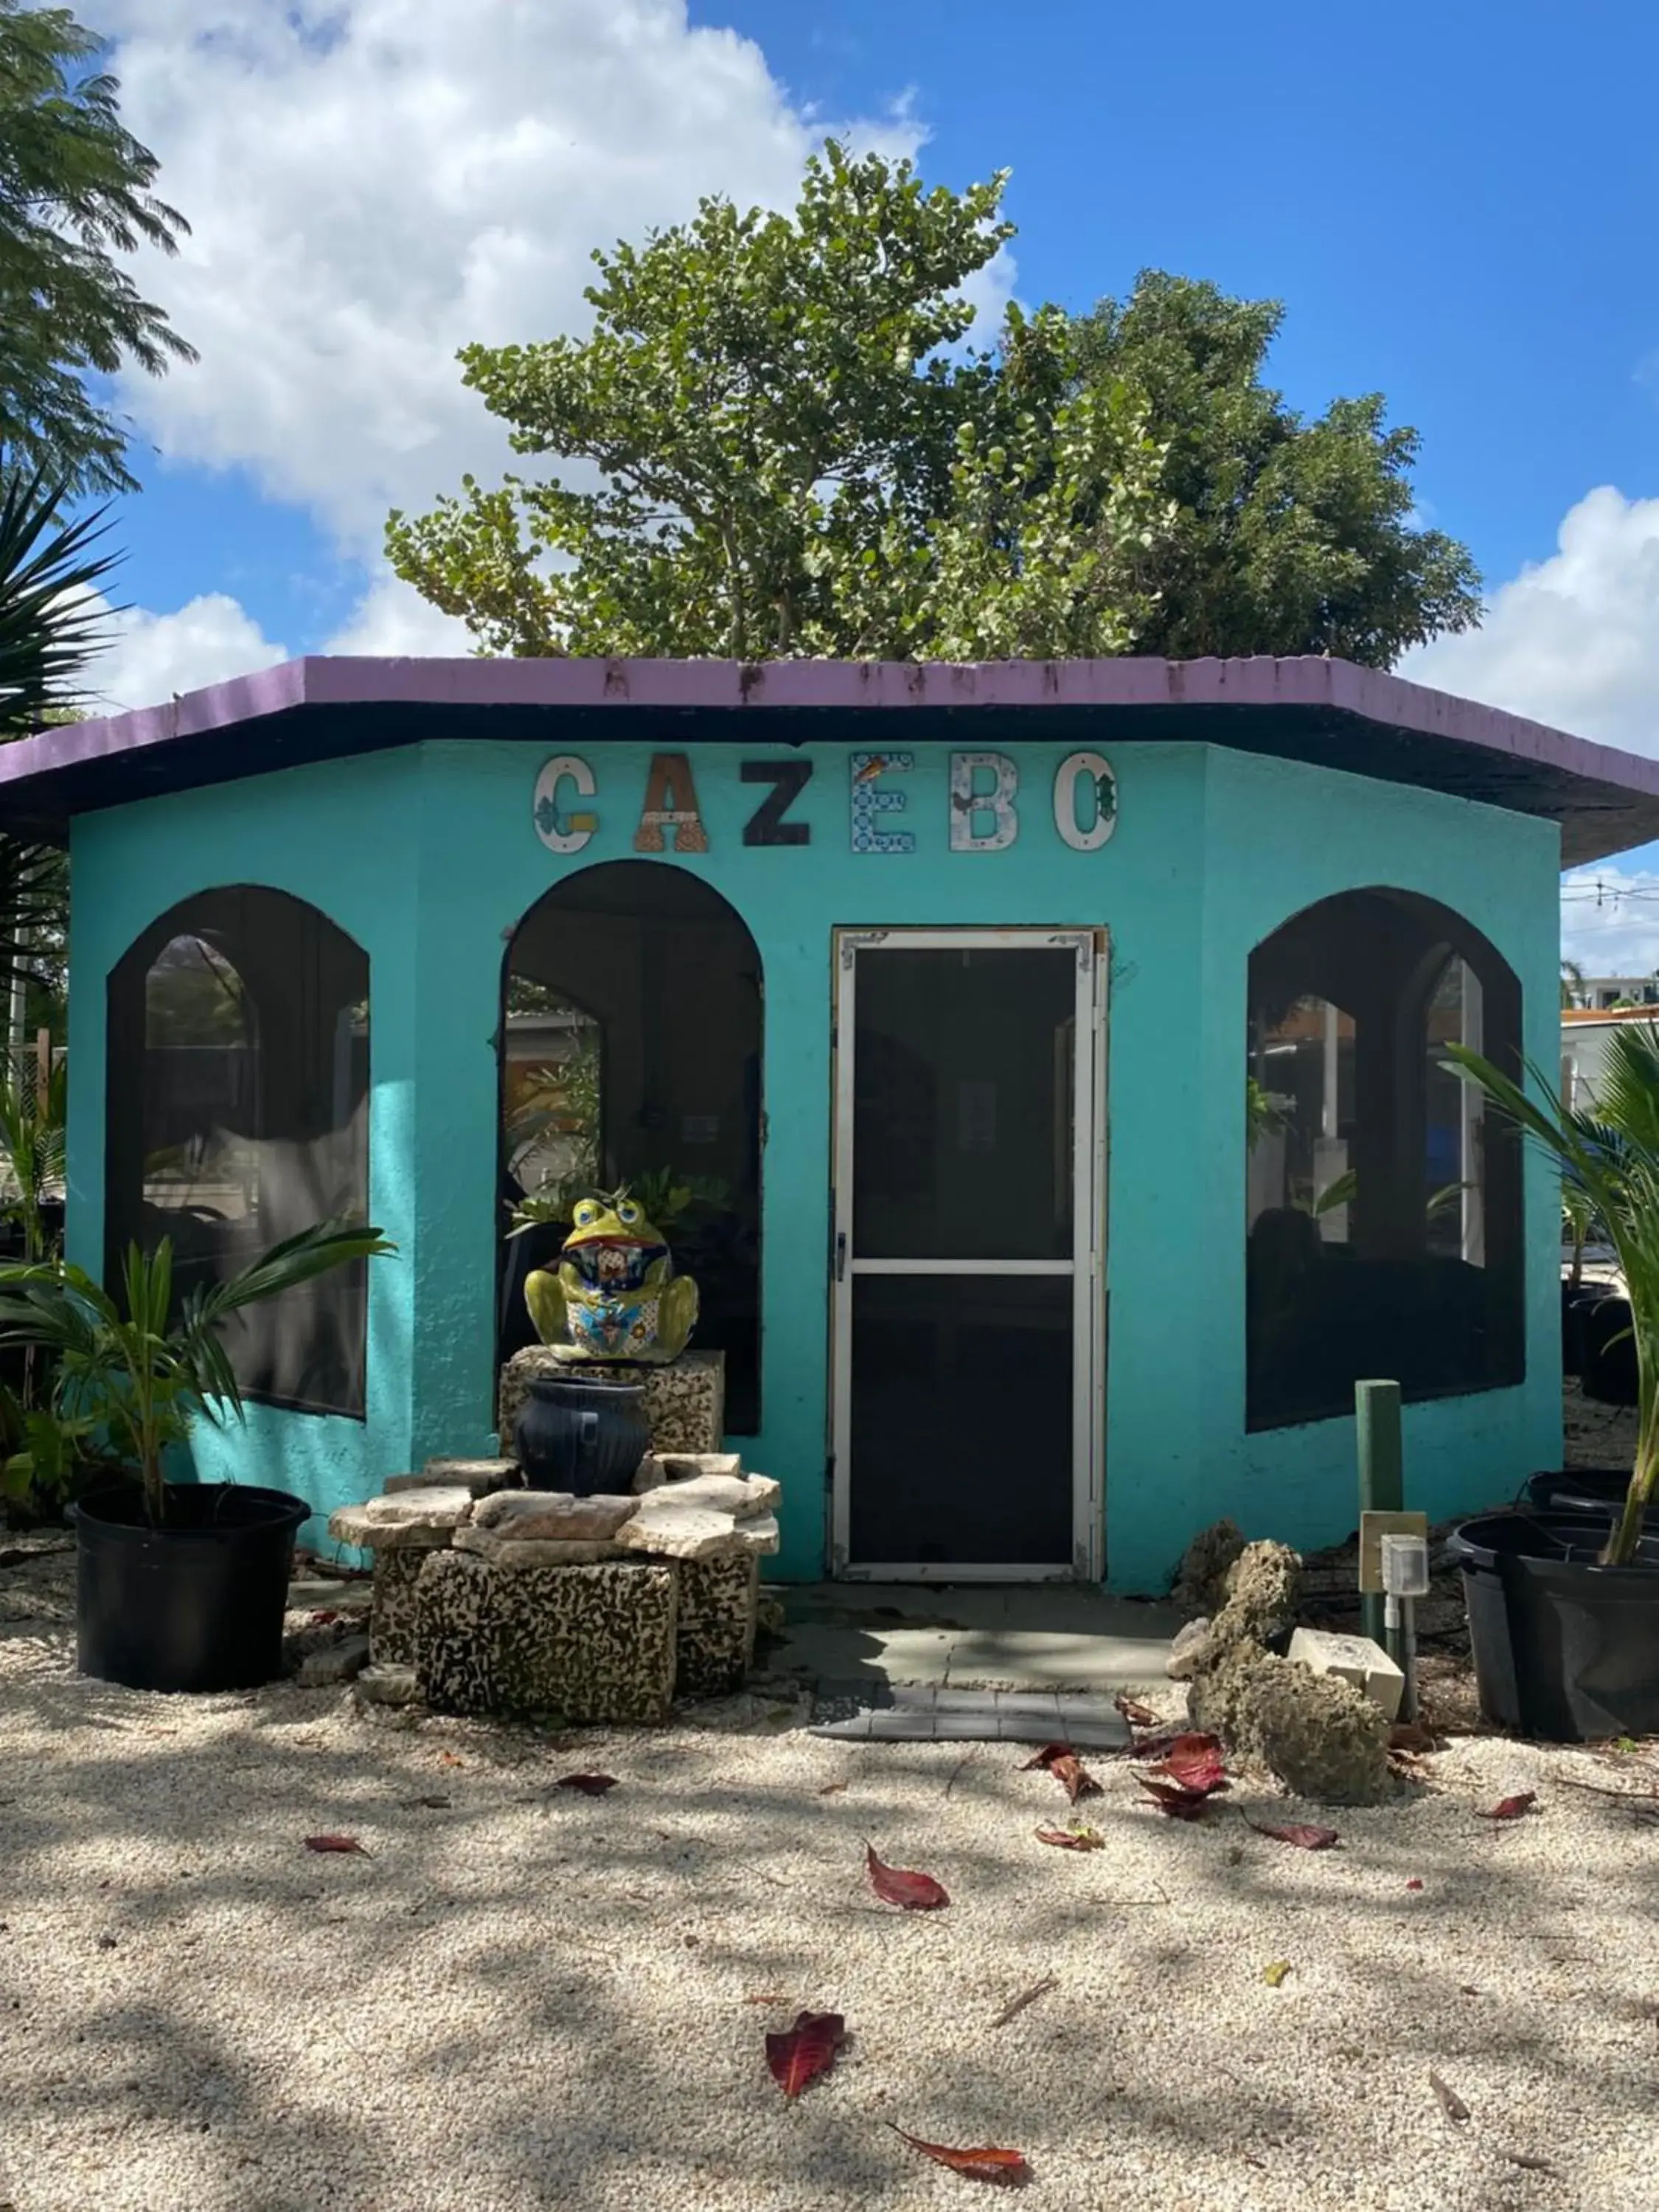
1327, 712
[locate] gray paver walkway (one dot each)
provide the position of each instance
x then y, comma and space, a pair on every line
926, 1715
863, 1640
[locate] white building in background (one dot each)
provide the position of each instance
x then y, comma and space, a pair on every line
1584, 1034
1599, 994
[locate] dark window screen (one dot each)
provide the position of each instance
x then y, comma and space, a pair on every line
631, 1053
238, 1115
1383, 1218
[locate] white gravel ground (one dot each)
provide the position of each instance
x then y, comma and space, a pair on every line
527, 1998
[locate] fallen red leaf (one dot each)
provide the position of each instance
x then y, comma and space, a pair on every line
1168, 1797
1067, 1769
1133, 1711
1301, 1833
916, 1893
1194, 1764
1413, 1883
336, 1844
1047, 1756
801, 2053
1509, 1808
591, 1785
984, 2164
1072, 1840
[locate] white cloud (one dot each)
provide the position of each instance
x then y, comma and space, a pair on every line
393, 619
147, 657
371, 186
1572, 640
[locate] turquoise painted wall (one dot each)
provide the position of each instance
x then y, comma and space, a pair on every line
428, 858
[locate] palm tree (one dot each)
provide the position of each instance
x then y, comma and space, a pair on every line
1609, 1163
51, 619
1573, 982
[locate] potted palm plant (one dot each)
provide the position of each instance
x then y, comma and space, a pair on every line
1563, 1602
180, 1585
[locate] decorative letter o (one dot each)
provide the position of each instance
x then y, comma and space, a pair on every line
1099, 774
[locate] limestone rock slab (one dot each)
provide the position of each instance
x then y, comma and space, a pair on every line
672, 1530
423, 1516
507, 1548
335, 1662
480, 1476
684, 1467
553, 1516
1358, 1660
388, 1685
739, 1495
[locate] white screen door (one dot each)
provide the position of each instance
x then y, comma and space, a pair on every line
967, 1252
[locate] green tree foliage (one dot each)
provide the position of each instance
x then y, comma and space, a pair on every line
775, 442
1289, 536
74, 191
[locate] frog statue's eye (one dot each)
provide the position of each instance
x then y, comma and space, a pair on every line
586, 1214
629, 1212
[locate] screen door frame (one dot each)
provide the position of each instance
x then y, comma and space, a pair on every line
1087, 1266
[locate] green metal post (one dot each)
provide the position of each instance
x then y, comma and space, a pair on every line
1376, 1409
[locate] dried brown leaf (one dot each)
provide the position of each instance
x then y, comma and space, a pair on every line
1133, 1711
1079, 1838
1074, 1776
1301, 1833
1047, 1756
1451, 2103
344, 1843
983, 2164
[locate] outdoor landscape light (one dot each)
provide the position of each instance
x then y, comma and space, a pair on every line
1406, 1566
1404, 1579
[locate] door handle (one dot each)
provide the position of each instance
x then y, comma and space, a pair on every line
840, 1255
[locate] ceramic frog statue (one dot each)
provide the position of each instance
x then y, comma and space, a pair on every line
616, 1295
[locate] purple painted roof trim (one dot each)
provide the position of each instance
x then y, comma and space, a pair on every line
1325, 687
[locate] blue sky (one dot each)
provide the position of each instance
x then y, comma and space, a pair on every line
1455, 205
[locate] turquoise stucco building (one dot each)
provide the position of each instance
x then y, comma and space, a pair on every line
1059, 1046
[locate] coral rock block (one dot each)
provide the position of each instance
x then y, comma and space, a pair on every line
589, 1646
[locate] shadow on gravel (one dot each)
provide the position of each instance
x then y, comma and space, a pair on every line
526, 1998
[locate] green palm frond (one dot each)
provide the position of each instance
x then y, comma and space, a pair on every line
138, 1374
1609, 1159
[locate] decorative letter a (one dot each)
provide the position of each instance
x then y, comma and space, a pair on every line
670, 803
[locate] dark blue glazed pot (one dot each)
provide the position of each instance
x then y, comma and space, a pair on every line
581, 1433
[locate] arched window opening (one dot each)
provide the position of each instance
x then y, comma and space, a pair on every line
1384, 1208
238, 1115
631, 1045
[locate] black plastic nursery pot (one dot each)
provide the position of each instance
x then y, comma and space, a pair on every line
1587, 1490
196, 1604
1563, 1649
